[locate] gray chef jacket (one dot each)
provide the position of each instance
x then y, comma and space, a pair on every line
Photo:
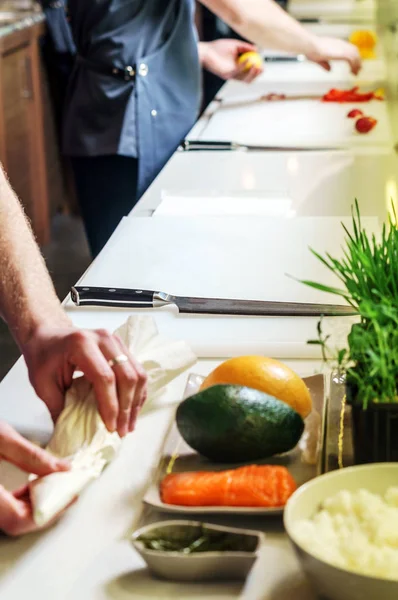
146, 117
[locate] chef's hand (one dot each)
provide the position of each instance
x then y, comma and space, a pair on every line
327, 49
221, 58
53, 354
15, 507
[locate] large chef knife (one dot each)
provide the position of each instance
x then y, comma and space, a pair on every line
281, 58
127, 298
202, 145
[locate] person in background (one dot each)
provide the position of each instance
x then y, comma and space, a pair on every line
53, 350
135, 91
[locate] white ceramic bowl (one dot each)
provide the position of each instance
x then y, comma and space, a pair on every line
201, 566
330, 582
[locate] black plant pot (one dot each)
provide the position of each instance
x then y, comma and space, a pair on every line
374, 431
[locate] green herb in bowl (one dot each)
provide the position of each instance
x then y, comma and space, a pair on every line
196, 551
191, 539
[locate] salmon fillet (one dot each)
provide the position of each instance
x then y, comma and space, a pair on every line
254, 486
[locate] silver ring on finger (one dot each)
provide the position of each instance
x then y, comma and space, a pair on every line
118, 360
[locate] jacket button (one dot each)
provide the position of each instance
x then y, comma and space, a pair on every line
154, 113
143, 70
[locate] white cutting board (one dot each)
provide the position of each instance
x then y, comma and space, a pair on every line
362, 10
208, 256
340, 30
309, 123
224, 204
318, 183
214, 336
373, 73
236, 92
238, 257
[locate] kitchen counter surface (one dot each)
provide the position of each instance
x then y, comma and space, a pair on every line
87, 555
24, 20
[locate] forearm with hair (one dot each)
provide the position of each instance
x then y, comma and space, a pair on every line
264, 23
27, 295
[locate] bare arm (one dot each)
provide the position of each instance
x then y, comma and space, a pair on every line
52, 347
264, 23
27, 296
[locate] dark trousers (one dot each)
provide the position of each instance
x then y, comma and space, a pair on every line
106, 187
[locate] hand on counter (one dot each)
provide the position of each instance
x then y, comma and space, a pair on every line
221, 58
327, 49
15, 507
54, 354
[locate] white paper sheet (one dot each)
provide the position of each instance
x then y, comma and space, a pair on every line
80, 434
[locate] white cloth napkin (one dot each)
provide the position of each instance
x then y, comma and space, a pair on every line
80, 433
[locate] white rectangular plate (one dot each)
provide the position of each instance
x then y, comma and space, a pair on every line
304, 462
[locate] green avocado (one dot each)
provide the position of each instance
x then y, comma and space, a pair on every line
231, 423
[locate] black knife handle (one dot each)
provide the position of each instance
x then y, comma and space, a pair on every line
193, 145
115, 297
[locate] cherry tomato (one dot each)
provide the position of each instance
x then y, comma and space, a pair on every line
354, 113
365, 124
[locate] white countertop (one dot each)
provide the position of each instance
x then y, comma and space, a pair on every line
86, 556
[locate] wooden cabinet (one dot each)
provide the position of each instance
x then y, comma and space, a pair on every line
27, 144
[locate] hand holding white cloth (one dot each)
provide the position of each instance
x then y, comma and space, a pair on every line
80, 433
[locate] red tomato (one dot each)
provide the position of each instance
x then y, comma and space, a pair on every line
354, 113
365, 124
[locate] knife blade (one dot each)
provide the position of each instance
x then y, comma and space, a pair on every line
202, 145
281, 59
130, 298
